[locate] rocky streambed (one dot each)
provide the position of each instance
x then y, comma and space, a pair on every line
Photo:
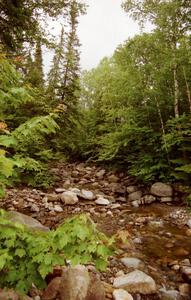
152, 224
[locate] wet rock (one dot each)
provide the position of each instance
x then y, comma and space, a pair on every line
136, 282
131, 262
161, 189
28, 221
131, 189
69, 198
169, 294
121, 295
135, 196
87, 195
166, 199
102, 201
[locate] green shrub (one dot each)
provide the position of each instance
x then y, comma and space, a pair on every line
26, 256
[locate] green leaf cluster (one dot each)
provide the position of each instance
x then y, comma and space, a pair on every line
27, 256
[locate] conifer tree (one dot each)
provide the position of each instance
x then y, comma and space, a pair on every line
34, 68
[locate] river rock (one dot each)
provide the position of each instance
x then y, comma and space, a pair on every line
87, 195
58, 208
185, 289
102, 201
75, 284
188, 223
54, 197
131, 262
96, 290
135, 196
136, 282
161, 189
28, 221
166, 199
186, 273
131, 189
60, 190
147, 199
100, 174
169, 294
8, 294
121, 295
113, 178
12, 295
69, 198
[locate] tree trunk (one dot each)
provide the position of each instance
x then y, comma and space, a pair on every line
176, 92
187, 90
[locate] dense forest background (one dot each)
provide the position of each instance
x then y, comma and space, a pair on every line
133, 111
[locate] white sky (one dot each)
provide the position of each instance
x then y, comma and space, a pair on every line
102, 29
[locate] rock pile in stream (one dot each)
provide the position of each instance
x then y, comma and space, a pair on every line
154, 233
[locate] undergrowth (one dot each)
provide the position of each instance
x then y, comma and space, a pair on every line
27, 257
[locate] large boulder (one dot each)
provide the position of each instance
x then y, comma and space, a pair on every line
75, 284
161, 190
136, 282
28, 221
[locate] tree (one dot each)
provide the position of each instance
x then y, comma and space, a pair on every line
34, 69
172, 24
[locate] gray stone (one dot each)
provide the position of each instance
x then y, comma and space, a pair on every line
28, 221
169, 294
135, 196
135, 203
136, 282
147, 199
35, 208
60, 190
69, 198
188, 223
121, 295
131, 189
131, 262
100, 174
161, 189
75, 284
166, 199
87, 195
58, 208
102, 201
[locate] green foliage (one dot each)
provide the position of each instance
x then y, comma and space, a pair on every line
26, 257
